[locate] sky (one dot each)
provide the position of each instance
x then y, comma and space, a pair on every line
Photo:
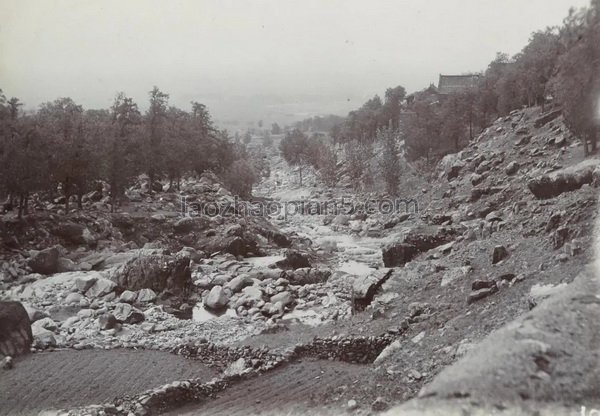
275, 60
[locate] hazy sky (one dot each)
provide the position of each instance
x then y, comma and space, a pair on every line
310, 55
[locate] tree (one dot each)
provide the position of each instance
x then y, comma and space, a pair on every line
267, 140
390, 160
241, 178
454, 118
247, 137
536, 63
155, 123
275, 129
422, 131
298, 150
21, 149
358, 156
61, 122
577, 82
119, 161
327, 165
392, 105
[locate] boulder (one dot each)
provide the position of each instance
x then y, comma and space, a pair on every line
524, 140
217, 299
45, 323
86, 281
293, 260
126, 313
499, 254
157, 272
73, 298
235, 230
128, 296
564, 180
238, 246
15, 329
107, 321
451, 165
546, 118
479, 191
146, 295
237, 368
284, 297
191, 253
184, 225
33, 313
481, 294
512, 168
252, 292
74, 233
238, 283
101, 287
398, 254
6, 363
44, 261
413, 241
43, 338
476, 179
157, 186
307, 276
364, 288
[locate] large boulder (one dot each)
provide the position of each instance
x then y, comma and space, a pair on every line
43, 338
451, 165
413, 241
284, 297
217, 299
126, 313
236, 245
86, 280
188, 224
564, 180
157, 272
74, 233
101, 287
546, 118
364, 288
398, 254
238, 283
44, 261
15, 329
307, 276
293, 260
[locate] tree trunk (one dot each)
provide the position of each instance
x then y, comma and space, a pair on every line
21, 206
470, 127
300, 171
67, 194
79, 200
26, 207
151, 179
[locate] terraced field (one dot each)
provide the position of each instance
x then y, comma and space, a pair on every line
63, 379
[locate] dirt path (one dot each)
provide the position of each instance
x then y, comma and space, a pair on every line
70, 378
310, 385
